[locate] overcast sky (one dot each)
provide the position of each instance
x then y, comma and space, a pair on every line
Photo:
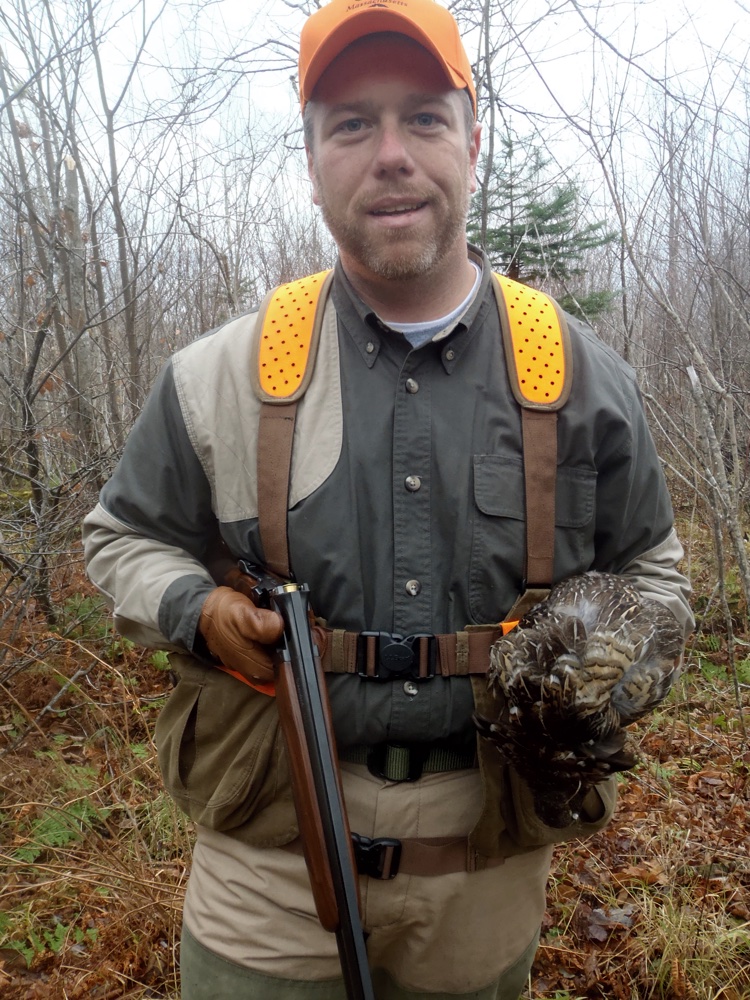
553, 66
679, 37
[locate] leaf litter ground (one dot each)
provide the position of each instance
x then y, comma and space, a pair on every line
95, 858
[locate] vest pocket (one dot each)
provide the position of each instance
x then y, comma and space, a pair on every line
222, 755
498, 549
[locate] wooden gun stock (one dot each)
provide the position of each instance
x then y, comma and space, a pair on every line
304, 713
305, 800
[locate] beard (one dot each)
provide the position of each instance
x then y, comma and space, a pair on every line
398, 254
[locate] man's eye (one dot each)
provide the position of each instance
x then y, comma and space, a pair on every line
351, 125
425, 119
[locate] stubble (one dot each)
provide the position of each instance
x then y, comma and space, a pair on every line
397, 254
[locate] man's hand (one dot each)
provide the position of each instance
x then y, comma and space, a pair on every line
239, 634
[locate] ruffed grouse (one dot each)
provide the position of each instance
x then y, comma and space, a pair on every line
590, 659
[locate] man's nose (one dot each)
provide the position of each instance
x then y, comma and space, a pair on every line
393, 155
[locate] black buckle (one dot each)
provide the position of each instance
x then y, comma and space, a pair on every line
378, 753
378, 857
396, 656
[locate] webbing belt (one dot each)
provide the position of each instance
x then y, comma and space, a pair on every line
381, 656
385, 857
400, 762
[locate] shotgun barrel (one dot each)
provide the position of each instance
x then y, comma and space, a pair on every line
304, 713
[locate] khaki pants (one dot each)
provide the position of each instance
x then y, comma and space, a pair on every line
206, 976
462, 934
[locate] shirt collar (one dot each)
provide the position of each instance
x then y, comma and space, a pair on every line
368, 331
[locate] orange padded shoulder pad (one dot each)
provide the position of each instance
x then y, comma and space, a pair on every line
537, 345
291, 317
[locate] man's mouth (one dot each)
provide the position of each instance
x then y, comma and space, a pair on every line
399, 209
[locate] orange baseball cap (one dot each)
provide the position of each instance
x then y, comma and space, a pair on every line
328, 31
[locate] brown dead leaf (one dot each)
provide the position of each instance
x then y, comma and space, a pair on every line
650, 873
11, 959
682, 988
597, 923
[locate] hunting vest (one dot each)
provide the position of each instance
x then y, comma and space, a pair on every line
538, 361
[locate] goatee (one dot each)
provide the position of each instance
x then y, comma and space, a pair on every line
397, 255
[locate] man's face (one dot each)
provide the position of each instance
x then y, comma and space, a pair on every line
391, 160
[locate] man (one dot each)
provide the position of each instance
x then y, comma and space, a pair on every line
406, 516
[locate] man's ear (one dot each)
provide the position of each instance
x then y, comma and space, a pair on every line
474, 144
311, 175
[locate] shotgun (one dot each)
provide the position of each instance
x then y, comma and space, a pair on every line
304, 714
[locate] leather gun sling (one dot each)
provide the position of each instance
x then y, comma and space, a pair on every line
537, 351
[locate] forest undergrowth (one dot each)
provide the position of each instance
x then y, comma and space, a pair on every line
94, 857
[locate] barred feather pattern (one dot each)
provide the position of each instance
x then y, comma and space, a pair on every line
592, 658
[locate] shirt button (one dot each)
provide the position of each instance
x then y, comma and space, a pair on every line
412, 483
450, 354
413, 587
410, 688
369, 347
412, 385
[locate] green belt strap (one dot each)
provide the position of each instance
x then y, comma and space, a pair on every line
396, 764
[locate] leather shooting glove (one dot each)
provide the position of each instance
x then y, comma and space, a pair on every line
239, 634
240, 581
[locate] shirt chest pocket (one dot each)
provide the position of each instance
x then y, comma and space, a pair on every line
499, 530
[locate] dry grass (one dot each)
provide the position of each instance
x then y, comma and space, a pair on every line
94, 854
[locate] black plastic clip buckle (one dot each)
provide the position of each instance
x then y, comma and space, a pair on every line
396, 656
378, 857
